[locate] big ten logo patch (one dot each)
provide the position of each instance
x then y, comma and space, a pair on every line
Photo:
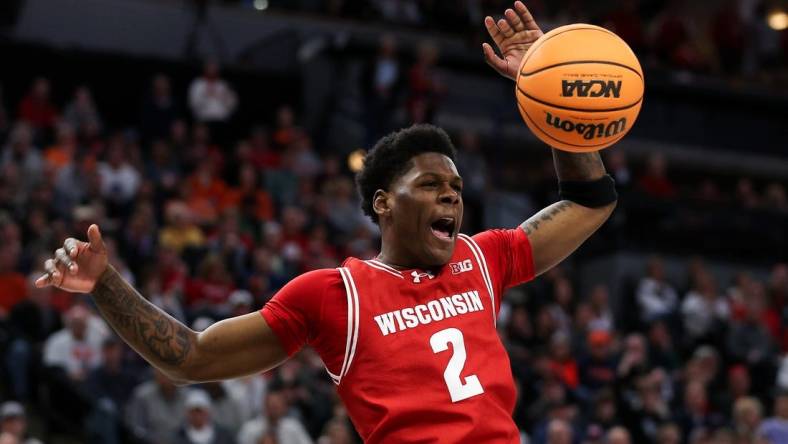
461, 267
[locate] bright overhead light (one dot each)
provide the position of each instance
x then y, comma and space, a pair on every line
778, 20
261, 5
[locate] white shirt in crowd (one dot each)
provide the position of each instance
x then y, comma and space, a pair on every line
211, 100
119, 184
76, 357
699, 313
655, 298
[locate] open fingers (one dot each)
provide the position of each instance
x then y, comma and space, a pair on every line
525, 16
53, 275
62, 258
70, 245
514, 20
493, 60
506, 30
493, 30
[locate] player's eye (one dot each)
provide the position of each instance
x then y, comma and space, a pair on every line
430, 184
457, 188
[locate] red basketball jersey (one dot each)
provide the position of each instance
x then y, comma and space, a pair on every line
416, 355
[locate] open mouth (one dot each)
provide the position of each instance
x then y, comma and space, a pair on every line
443, 228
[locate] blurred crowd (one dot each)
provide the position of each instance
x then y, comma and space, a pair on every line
730, 38
208, 224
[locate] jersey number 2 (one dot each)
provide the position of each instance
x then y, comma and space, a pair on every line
457, 389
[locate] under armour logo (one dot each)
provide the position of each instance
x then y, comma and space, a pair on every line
417, 276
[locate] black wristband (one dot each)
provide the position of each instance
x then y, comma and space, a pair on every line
592, 193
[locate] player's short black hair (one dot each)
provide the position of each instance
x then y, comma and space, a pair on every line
391, 157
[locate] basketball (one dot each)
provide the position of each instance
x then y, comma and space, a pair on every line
580, 88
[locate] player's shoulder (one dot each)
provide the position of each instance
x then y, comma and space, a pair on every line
495, 237
322, 278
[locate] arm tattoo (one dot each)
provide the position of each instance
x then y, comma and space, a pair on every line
531, 225
153, 333
578, 166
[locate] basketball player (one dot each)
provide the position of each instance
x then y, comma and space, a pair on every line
408, 337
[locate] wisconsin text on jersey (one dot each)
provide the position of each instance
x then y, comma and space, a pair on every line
432, 311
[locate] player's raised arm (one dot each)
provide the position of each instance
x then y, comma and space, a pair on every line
587, 192
230, 348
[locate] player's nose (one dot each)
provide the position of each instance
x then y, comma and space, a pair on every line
448, 195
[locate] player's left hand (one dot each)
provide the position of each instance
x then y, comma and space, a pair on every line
513, 35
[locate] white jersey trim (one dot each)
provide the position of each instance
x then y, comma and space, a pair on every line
383, 267
352, 324
479, 255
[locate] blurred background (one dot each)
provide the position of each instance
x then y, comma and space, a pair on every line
215, 143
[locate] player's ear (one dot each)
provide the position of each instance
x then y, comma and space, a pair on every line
380, 203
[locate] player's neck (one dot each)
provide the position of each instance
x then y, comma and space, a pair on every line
399, 260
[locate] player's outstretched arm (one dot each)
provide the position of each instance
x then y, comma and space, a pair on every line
230, 348
558, 230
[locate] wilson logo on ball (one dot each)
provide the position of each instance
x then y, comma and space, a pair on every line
592, 88
588, 130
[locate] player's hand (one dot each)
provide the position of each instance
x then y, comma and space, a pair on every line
77, 266
513, 35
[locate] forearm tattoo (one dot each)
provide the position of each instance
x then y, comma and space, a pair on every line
578, 166
532, 225
153, 333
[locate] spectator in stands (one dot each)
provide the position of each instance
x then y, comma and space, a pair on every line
425, 87
775, 428
109, 386
668, 433
336, 431
226, 408
286, 429
382, 83
65, 149
13, 424
562, 363
599, 300
656, 297
207, 293
36, 108
21, 152
212, 100
253, 202
747, 415
662, 352
120, 180
31, 321
598, 368
159, 109
112, 381
199, 426
746, 196
696, 415
749, 340
559, 431
206, 191
250, 392
618, 435
77, 348
82, 112
704, 310
156, 409
654, 180
180, 231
